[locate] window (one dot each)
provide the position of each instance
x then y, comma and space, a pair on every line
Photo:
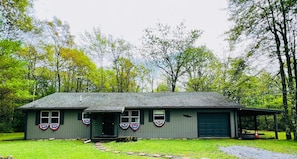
44, 117
135, 115
159, 117
55, 117
49, 119
130, 118
125, 117
86, 115
86, 118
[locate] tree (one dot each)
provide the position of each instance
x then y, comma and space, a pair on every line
269, 26
162, 87
77, 66
126, 73
96, 44
166, 47
143, 78
32, 52
125, 70
14, 18
14, 87
59, 37
202, 69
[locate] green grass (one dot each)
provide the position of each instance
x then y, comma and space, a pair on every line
75, 149
11, 136
201, 148
58, 149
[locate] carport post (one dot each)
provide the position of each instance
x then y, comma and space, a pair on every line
255, 120
240, 125
275, 126
91, 127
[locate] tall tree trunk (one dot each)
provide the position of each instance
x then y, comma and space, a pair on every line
274, 30
284, 34
294, 107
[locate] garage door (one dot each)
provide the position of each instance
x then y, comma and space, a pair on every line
213, 125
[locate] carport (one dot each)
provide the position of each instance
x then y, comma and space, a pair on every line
254, 112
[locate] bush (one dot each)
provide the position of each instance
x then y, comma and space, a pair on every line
18, 121
6, 128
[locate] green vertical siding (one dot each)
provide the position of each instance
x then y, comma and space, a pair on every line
72, 127
183, 124
178, 127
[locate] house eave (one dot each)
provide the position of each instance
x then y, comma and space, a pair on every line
53, 108
105, 109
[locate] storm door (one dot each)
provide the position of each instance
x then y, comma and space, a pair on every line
108, 124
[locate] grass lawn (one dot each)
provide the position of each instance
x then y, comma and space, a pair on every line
11, 136
201, 148
72, 149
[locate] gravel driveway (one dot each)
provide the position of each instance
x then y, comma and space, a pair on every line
244, 152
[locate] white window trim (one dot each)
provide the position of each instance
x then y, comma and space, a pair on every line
82, 115
129, 116
50, 117
45, 117
137, 117
158, 115
86, 121
159, 122
126, 116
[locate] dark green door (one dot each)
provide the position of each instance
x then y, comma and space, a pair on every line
213, 125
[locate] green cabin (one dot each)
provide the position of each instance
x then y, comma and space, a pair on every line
141, 115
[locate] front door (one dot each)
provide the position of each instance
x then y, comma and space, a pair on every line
108, 124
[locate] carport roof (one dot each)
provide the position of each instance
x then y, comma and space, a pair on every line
257, 111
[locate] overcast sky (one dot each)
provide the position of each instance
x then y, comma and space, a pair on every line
128, 18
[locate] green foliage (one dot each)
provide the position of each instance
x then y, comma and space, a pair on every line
54, 63
59, 37
162, 87
166, 47
126, 73
260, 91
99, 76
77, 65
14, 88
268, 29
203, 70
14, 17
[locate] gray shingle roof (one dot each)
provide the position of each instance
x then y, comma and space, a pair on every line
119, 101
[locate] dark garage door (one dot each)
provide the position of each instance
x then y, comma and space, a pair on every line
213, 125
